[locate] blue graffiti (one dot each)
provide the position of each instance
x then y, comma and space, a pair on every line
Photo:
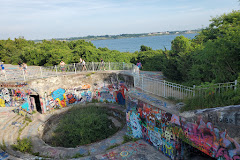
3, 155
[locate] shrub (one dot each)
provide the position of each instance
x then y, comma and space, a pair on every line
23, 145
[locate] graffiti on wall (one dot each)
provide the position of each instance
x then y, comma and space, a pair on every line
85, 93
3, 155
13, 97
167, 131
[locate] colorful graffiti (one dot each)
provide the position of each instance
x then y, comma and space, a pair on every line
167, 132
125, 152
85, 93
3, 155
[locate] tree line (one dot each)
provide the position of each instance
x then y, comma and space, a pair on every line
212, 56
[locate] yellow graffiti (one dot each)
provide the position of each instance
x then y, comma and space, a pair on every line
2, 103
124, 153
63, 102
21, 112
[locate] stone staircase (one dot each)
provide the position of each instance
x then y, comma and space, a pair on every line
10, 128
13, 126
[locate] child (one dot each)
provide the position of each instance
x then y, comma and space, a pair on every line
3, 69
139, 64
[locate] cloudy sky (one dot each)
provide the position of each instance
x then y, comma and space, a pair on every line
46, 19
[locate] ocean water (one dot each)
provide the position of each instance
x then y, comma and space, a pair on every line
134, 44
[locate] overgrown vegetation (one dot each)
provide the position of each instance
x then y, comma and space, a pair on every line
23, 145
3, 146
78, 155
81, 126
112, 146
212, 56
129, 139
213, 99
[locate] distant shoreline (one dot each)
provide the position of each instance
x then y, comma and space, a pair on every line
121, 36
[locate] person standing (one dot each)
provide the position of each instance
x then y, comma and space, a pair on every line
24, 66
139, 64
62, 66
20, 65
84, 65
80, 64
3, 69
102, 65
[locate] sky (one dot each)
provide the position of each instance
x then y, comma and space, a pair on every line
47, 19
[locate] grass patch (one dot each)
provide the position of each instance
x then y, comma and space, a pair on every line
21, 129
112, 146
80, 126
174, 99
129, 139
23, 145
89, 74
78, 155
28, 119
3, 146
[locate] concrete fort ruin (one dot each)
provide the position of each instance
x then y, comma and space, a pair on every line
215, 132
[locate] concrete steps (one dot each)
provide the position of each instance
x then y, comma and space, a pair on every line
9, 134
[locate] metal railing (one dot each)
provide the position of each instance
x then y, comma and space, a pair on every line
154, 86
167, 89
35, 72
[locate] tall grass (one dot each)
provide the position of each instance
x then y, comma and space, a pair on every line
212, 100
82, 126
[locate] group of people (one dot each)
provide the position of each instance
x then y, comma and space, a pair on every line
81, 65
22, 66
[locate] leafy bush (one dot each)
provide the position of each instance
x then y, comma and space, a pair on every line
81, 126
23, 145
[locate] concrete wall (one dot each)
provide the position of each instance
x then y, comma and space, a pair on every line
169, 131
57, 92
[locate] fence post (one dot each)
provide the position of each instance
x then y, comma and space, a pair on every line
142, 84
235, 87
56, 69
41, 72
164, 89
109, 66
5, 76
194, 86
92, 66
75, 68
24, 76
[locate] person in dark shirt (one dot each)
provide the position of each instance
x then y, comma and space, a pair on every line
20, 65
102, 67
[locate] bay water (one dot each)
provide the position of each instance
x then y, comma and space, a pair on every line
134, 44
